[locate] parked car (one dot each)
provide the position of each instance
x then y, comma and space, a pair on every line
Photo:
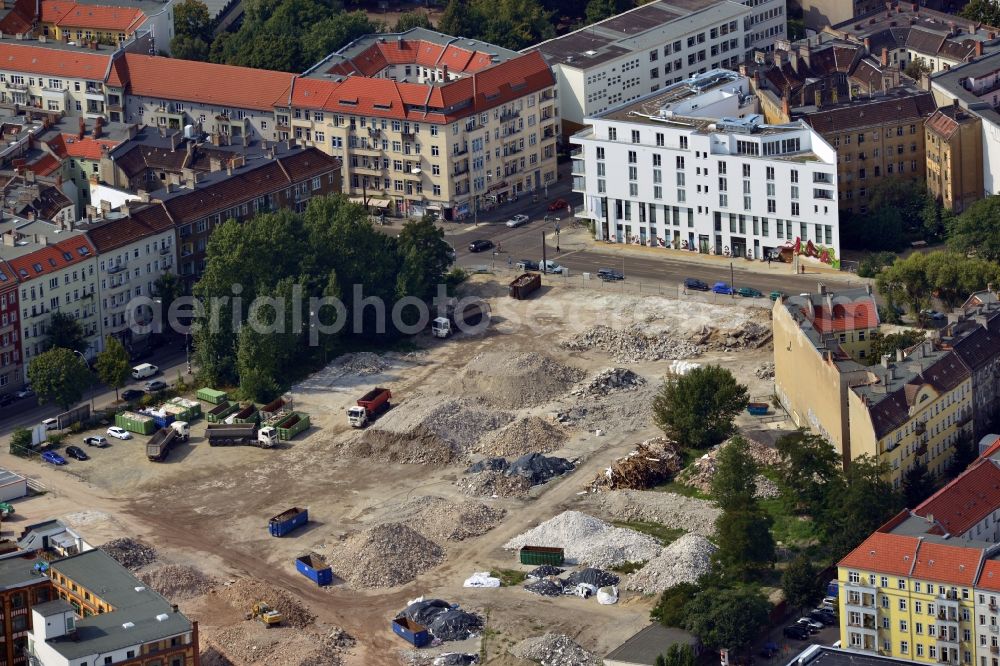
53, 458
558, 204
76, 453
775, 295
517, 221
156, 385
812, 625
933, 314
610, 275
796, 632
551, 218
50, 424
824, 617
550, 266
96, 440
7, 399
749, 292
697, 285
26, 392
119, 433
128, 395
830, 600
526, 265
722, 288
480, 245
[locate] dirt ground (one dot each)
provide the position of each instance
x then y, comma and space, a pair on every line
207, 508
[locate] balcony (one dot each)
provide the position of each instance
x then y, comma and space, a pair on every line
995, 649
508, 115
995, 628
18, 86
579, 185
579, 168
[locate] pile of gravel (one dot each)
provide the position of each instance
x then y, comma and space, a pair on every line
613, 413
494, 483
129, 553
527, 435
554, 650
513, 380
441, 519
683, 561
766, 488
419, 446
178, 582
386, 555
612, 380
589, 540
694, 515
243, 593
633, 344
363, 364
461, 423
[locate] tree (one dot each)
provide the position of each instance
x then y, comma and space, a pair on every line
256, 366
734, 484
167, 288
916, 69
424, 258
879, 229
113, 365
192, 20
982, 11
949, 276
918, 484
671, 608
975, 230
746, 545
863, 501
660, 660
410, 20
458, 19
678, 655
59, 376
808, 465
697, 409
65, 331
728, 618
598, 10
965, 451
189, 48
20, 442
872, 264
799, 582
888, 344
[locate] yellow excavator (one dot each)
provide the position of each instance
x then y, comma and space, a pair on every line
266, 614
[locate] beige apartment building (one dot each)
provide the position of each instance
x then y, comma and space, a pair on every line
954, 140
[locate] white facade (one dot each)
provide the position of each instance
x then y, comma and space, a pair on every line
699, 171
595, 75
767, 22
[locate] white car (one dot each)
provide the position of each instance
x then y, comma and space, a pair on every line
50, 424
517, 221
119, 433
549, 266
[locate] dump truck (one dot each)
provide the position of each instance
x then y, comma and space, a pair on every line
411, 632
467, 315
287, 520
369, 406
315, 569
164, 439
263, 612
241, 434
524, 285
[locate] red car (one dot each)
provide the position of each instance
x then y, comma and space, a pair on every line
558, 204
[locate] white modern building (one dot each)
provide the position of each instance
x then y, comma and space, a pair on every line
626, 57
694, 167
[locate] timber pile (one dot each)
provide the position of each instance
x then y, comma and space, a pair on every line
653, 462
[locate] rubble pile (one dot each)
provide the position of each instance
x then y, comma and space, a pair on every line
492, 483
554, 650
385, 555
419, 446
684, 561
461, 424
513, 380
531, 469
363, 364
589, 540
766, 488
765, 370
527, 435
178, 582
243, 593
253, 644
131, 554
633, 344
615, 413
697, 516
700, 472
651, 463
748, 335
446, 520
610, 381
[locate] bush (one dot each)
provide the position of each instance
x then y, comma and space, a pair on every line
455, 277
55, 439
147, 400
76, 427
20, 443
872, 264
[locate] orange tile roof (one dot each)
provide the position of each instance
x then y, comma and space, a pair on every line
20, 57
45, 165
52, 257
989, 577
947, 563
381, 54
884, 553
846, 316
20, 19
312, 93
203, 82
58, 146
87, 148
54, 10
97, 17
965, 501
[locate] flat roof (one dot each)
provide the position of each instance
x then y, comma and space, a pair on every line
52, 607
19, 572
821, 655
8, 477
645, 646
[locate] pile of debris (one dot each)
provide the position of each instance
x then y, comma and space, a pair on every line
554, 650
749, 335
444, 621
766, 488
178, 583
613, 413
527, 435
765, 370
586, 539
612, 380
419, 446
447, 520
695, 515
385, 555
531, 469
651, 463
131, 554
700, 472
363, 364
243, 593
684, 561
253, 644
513, 380
633, 344
494, 484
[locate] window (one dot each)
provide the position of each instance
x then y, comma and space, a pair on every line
612, 134
635, 136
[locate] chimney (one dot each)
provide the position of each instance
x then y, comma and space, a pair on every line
951, 28
868, 45
229, 167
885, 360
989, 287
818, 98
834, 95
885, 57
899, 356
822, 289
132, 130
214, 164
979, 49
124, 209
97, 127
786, 110
143, 196
175, 140
59, 181
444, 70
82, 128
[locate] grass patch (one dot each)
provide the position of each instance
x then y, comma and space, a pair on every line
666, 535
681, 489
628, 567
789, 529
509, 577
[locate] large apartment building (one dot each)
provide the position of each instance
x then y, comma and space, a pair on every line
694, 167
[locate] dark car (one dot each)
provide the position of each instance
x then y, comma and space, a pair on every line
480, 245
825, 617
558, 204
697, 285
132, 394
526, 265
749, 292
7, 399
796, 632
609, 275
76, 453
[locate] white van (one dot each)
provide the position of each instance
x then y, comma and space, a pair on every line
144, 370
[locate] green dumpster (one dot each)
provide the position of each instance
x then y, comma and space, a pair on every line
211, 395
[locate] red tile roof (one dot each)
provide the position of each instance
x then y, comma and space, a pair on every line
113, 234
884, 553
203, 82
966, 500
45, 165
87, 148
989, 577
20, 19
381, 54
97, 17
52, 257
20, 57
947, 563
54, 10
846, 316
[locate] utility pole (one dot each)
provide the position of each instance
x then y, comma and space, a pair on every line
732, 279
557, 237
544, 266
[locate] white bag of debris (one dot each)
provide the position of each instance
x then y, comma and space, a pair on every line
481, 579
608, 595
583, 590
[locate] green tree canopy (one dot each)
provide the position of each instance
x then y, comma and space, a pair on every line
746, 546
513, 24
697, 409
670, 609
862, 503
20, 442
189, 48
679, 655
60, 376
982, 11
113, 365
975, 230
799, 582
65, 331
734, 482
598, 10
192, 20
410, 20
888, 344
809, 466
918, 485
728, 618
950, 276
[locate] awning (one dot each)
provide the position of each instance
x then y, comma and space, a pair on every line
433, 207
377, 203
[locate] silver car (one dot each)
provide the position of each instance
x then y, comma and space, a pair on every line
517, 221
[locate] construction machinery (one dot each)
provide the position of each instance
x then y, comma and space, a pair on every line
263, 612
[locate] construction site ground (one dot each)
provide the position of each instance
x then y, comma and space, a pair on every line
205, 510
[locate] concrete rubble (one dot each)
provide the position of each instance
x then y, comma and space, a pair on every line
765, 370
131, 554
385, 555
632, 344
612, 380
699, 473
684, 561
696, 516
178, 583
589, 540
527, 435
554, 650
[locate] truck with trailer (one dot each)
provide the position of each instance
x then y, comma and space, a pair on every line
164, 439
287, 520
314, 568
241, 434
524, 285
469, 316
369, 406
